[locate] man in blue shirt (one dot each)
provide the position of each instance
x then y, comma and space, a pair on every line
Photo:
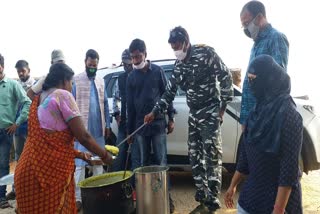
267, 40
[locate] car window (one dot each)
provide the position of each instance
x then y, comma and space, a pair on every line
110, 82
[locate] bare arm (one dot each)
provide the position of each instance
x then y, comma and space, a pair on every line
239, 175
282, 199
236, 179
83, 136
36, 88
30, 94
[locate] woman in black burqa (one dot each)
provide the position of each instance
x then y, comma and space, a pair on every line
269, 151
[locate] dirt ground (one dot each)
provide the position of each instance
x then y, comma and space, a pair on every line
183, 191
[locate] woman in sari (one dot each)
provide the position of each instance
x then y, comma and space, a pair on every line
44, 178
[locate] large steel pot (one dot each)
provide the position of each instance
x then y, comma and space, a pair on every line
152, 190
107, 193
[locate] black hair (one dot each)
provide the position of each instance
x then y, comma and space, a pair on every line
1, 60
93, 54
22, 64
58, 73
137, 44
178, 34
254, 8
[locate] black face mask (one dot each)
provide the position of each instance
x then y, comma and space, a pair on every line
91, 72
257, 89
127, 67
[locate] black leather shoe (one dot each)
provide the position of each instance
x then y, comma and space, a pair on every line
11, 196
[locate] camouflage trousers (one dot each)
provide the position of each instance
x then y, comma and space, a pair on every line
205, 154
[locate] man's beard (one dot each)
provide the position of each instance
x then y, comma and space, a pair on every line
24, 79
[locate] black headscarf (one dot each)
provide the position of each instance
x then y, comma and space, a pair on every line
271, 87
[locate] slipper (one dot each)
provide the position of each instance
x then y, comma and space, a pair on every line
4, 204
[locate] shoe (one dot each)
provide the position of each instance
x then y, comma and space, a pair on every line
199, 209
171, 204
212, 207
79, 206
134, 195
209, 211
11, 196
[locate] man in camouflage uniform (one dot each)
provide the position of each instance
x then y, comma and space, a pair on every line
197, 71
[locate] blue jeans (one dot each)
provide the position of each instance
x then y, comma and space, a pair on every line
5, 146
141, 150
120, 162
241, 210
18, 142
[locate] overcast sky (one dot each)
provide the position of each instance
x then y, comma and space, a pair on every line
31, 29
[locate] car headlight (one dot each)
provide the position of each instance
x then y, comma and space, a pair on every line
312, 109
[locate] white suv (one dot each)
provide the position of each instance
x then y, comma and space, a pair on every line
231, 129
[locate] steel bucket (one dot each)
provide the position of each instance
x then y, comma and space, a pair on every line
152, 190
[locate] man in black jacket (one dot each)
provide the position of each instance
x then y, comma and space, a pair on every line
121, 115
145, 85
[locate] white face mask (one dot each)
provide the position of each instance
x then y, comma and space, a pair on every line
139, 66
252, 30
180, 54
